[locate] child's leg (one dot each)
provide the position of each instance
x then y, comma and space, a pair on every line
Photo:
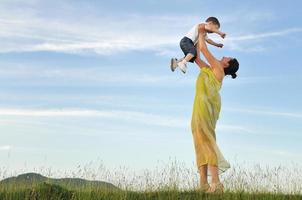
187, 58
188, 48
183, 63
181, 59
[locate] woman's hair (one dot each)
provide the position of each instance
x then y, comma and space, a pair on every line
232, 68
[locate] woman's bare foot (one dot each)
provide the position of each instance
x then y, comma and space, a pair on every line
216, 188
204, 187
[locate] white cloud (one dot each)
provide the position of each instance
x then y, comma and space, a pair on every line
282, 153
265, 112
253, 42
30, 31
120, 115
86, 76
132, 116
265, 35
235, 128
5, 148
57, 75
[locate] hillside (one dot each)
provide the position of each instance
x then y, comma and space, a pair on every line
31, 179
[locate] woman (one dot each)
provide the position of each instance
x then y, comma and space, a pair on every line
205, 114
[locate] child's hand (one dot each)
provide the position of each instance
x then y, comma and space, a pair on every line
219, 45
222, 35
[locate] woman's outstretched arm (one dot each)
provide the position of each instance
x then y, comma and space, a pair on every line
198, 61
204, 49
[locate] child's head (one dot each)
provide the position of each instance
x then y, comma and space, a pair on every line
213, 22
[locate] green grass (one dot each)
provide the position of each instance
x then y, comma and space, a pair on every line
55, 192
171, 181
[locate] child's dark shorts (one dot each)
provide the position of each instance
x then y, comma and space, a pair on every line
187, 46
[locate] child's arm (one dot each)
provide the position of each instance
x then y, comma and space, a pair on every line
208, 40
214, 30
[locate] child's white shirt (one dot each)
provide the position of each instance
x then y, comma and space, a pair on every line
193, 34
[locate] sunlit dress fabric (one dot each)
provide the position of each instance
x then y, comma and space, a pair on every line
206, 109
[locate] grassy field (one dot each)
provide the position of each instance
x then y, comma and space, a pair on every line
50, 191
172, 180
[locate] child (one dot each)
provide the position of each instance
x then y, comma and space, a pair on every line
189, 41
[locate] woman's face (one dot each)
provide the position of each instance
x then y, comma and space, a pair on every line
225, 61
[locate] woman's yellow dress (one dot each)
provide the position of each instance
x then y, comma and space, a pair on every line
207, 104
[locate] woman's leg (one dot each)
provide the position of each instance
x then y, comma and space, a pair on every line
214, 172
203, 172
216, 185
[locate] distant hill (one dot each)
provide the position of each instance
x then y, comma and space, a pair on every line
31, 179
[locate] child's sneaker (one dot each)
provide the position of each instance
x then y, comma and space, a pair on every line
173, 64
182, 66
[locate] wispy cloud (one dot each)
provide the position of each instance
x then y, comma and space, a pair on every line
26, 32
265, 112
87, 76
254, 42
283, 153
57, 75
265, 35
235, 128
5, 148
29, 33
132, 116
120, 115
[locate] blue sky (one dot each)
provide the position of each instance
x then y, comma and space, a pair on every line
87, 80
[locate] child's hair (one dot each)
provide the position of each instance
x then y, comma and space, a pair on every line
214, 20
232, 68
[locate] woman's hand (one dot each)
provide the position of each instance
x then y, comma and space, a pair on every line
202, 30
201, 36
204, 49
